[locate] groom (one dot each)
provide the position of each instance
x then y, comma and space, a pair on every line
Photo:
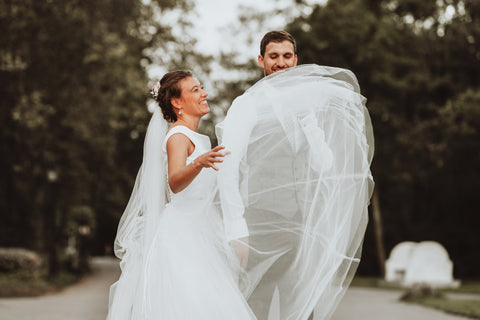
278, 51
301, 145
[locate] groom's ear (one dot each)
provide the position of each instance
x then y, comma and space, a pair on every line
260, 61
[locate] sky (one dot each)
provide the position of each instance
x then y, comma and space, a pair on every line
215, 18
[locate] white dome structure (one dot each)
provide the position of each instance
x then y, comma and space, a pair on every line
397, 263
413, 263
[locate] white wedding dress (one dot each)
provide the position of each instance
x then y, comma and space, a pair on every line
189, 270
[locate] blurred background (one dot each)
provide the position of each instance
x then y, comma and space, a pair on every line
75, 78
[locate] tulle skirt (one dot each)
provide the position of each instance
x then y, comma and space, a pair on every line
190, 271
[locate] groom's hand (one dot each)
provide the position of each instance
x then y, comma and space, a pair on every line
241, 250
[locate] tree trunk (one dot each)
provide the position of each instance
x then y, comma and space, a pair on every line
50, 231
378, 229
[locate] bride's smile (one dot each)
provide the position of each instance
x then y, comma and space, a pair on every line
193, 100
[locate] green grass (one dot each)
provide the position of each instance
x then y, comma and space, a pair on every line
434, 299
468, 308
20, 285
466, 287
365, 282
472, 287
13, 285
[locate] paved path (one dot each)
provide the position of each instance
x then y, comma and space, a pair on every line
88, 301
377, 304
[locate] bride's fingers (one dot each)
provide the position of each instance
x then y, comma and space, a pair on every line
218, 154
211, 157
215, 159
218, 148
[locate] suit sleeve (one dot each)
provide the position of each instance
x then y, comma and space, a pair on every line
234, 133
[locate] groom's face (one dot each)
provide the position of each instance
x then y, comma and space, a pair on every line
278, 56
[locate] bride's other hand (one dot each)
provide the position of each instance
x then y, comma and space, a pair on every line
241, 250
208, 159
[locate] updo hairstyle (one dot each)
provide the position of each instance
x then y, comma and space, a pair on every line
169, 89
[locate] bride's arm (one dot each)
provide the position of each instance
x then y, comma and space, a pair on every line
181, 175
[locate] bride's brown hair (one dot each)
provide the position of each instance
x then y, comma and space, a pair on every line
169, 89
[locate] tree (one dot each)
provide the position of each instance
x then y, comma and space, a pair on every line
417, 62
412, 58
74, 89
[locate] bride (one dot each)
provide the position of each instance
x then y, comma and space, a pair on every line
175, 263
270, 229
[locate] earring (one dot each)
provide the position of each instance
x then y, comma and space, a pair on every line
180, 112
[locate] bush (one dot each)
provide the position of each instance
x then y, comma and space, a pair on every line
19, 261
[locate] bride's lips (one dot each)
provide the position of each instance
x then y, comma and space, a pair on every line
203, 101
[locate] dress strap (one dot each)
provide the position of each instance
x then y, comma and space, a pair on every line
192, 135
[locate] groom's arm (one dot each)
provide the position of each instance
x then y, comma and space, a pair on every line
234, 133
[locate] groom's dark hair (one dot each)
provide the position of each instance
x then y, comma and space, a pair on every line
276, 36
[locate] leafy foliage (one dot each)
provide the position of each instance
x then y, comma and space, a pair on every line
418, 63
74, 88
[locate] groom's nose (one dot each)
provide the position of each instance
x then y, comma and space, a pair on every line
281, 62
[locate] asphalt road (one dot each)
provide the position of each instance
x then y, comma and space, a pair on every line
88, 300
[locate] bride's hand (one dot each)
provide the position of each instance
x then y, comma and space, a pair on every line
208, 159
241, 250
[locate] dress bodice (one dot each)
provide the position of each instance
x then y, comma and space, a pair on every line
201, 187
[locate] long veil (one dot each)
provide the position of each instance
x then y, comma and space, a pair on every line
297, 184
138, 223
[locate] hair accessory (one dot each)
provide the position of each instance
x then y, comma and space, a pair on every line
155, 90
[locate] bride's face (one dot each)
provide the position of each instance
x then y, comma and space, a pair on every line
193, 99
